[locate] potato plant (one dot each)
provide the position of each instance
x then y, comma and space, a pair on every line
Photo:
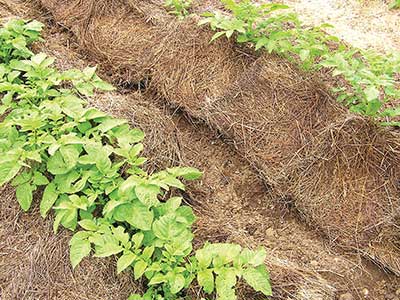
372, 78
89, 167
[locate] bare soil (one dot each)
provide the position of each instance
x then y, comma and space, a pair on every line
364, 24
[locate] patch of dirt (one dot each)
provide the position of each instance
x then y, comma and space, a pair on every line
364, 24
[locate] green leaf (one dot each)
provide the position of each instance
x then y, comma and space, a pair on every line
70, 154
173, 204
184, 214
8, 170
137, 239
254, 258
102, 85
304, 54
39, 179
147, 194
224, 282
64, 160
176, 282
258, 279
89, 72
373, 107
147, 252
261, 42
136, 214
125, 261
371, 93
166, 228
79, 248
224, 253
108, 249
34, 26
139, 269
185, 172
203, 257
88, 224
217, 35
24, 195
103, 163
50, 196
93, 113
110, 123
22, 178
157, 279
205, 279
394, 4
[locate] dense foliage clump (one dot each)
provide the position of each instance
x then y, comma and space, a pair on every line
89, 167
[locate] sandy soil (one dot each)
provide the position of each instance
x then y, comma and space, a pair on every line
364, 24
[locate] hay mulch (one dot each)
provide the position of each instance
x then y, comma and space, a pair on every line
34, 261
270, 113
274, 114
176, 57
349, 185
341, 175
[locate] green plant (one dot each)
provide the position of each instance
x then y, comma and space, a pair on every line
394, 4
372, 84
89, 167
179, 7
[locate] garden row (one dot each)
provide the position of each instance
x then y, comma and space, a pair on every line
371, 80
88, 166
310, 149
